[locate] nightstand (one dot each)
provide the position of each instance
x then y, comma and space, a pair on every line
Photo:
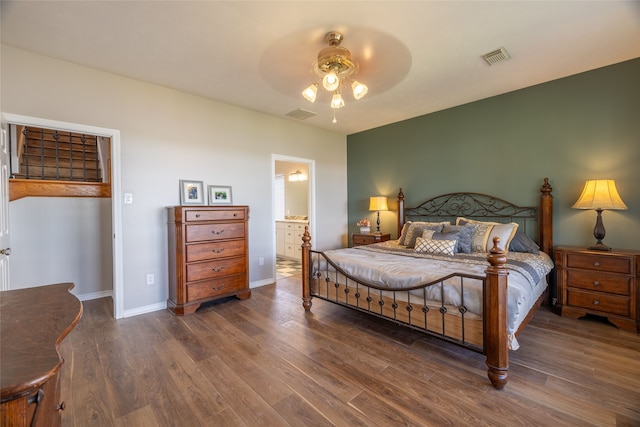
600, 283
359, 239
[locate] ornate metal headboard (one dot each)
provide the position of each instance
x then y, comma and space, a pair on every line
448, 207
534, 221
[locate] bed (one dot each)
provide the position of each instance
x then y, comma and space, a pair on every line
466, 267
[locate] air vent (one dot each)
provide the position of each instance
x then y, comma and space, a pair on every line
300, 114
498, 55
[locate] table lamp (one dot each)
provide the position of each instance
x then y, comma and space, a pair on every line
599, 194
378, 203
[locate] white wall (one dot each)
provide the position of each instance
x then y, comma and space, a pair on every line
168, 135
76, 246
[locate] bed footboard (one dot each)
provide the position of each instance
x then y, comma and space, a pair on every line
485, 333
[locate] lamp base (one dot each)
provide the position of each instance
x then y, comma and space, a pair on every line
599, 247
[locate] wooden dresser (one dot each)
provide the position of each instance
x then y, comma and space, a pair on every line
600, 283
33, 322
208, 255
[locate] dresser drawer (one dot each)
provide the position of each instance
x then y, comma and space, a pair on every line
602, 282
214, 215
213, 269
212, 288
601, 302
207, 251
218, 231
598, 262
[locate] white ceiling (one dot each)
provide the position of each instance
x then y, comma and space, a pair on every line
417, 57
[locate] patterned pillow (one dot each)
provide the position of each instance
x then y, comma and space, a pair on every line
428, 234
417, 228
403, 233
436, 247
482, 239
465, 234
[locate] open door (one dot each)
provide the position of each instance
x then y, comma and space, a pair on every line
5, 243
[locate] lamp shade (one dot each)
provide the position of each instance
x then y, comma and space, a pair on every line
378, 203
600, 194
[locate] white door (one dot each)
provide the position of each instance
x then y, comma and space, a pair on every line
5, 247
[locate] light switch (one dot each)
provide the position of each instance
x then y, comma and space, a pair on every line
128, 198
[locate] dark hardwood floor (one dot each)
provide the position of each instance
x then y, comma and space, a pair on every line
263, 362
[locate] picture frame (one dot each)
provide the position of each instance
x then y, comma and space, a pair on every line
191, 192
220, 195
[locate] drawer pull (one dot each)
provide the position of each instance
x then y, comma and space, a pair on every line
61, 406
235, 214
596, 302
217, 288
217, 270
596, 283
217, 251
217, 232
596, 264
197, 215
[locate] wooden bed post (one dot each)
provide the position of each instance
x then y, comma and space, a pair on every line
546, 218
496, 340
400, 212
306, 286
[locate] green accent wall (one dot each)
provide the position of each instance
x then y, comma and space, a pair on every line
585, 126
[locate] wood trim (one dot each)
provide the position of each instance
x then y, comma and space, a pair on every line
19, 188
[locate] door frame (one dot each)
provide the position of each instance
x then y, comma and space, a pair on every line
312, 195
116, 190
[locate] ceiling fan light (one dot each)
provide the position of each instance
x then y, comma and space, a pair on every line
310, 92
359, 89
337, 101
330, 81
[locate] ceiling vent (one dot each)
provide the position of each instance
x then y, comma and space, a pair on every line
300, 114
498, 55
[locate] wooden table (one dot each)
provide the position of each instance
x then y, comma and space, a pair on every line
33, 322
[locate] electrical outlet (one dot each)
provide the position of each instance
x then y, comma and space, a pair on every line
151, 279
128, 198
261, 261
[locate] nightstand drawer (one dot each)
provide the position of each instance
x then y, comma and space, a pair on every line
600, 302
363, 240
598, 262
359, 239
599, 282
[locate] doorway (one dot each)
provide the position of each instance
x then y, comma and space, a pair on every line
293, 209
116, 207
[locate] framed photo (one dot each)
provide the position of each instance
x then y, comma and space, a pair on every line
191, 192
220, 195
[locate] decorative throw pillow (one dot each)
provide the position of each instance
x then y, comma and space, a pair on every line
522, 243
465, 234
494, 229
417, 228
427, 234
436, 247
403, 233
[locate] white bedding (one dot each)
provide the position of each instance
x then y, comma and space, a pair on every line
394, 266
